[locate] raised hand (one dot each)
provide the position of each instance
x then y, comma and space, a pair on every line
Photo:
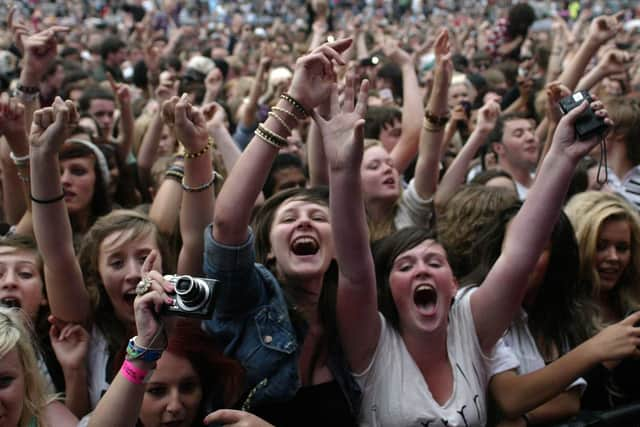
12, 124
233, 418
18, 29
148, 303
214, 115
444, 66
395, 53
121, 91
314, 75
343, 132
40, 50
188, 122
565, 140
555, 92
70, 342
488, 116
52, 125
604, 28
615, 61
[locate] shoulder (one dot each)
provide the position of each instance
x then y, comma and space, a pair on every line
57, 415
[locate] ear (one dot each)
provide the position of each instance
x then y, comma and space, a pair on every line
497, 148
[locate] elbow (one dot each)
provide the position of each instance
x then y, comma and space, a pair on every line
509, 407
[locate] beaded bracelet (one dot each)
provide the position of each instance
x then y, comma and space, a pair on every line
199, 188
296, 105
270, 137
436, 120
206, 148
176, 176
280, 120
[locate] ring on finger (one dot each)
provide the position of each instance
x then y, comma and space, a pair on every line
143, 286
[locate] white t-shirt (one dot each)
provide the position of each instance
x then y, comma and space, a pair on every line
97, 366
395, 392
413, 210
520, 341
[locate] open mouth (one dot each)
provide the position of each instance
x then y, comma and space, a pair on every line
425, 297
389, 181
305, 246
129, 297
10, 302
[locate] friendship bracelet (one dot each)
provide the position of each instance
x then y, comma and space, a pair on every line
202, 187
206, 148
136, 352
135, 375
280, 120
436, 120
296, 105
287, 112
176, 176
47, 201
19, 160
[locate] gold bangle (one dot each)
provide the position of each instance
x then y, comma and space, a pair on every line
296, 105
206, 148
280, 120
270, 137
432, 127
287, 112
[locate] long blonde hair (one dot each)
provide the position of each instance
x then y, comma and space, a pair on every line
15, 334
588, 211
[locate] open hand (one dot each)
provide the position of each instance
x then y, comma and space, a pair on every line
70, 343
444, 66
52, 125
343, 133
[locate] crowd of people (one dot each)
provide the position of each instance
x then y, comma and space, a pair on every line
323, 213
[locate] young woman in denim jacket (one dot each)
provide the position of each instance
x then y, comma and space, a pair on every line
272, 316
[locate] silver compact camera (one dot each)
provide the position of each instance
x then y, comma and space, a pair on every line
193, 297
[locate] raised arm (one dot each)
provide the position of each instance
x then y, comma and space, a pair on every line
343, 138
407, 147
66, 292
427, 167
123, 96
310, 86
496, 302
197, 183
456, 173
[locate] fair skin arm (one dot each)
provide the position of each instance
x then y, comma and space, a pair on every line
456, 173
190, 126
124, 397
233, 418
519, 394
66, 292
357, 304
163, 210
236, 199
407, 147
555, 92
426, 173
58, 415
215, 115
127, 122
614, 62
14, 203
71, 344
601, 30
496, 302
248, 110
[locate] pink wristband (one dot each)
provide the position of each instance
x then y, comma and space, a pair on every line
133, 374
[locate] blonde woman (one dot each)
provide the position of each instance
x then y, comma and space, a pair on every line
23, 399
608, 233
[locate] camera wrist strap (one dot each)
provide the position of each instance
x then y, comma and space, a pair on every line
601, 162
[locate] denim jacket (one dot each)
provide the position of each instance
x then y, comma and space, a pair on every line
251, 321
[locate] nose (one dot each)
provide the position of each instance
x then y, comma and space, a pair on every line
612, 253
65, 177
174, 405
9, 280
132, 272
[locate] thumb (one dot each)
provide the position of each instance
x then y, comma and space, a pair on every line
223, 416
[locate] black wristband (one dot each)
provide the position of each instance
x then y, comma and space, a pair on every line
47, 201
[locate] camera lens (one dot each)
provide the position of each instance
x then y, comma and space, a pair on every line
190, 292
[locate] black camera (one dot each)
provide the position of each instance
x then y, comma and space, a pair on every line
588, 124
194, 296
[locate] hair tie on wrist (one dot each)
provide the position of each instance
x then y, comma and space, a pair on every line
47, 201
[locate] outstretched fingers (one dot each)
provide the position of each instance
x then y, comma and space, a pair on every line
363, 99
